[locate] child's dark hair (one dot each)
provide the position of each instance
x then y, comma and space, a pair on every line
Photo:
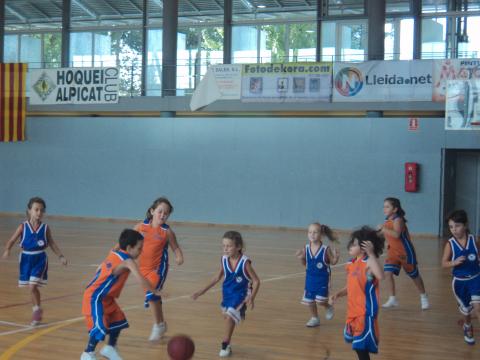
366, 233
396, 204
458, 216
129, 237
236, 237
155, 204
37, 200
325, 230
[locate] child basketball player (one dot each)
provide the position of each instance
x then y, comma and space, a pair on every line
102, 314
461, 254
239, 289
153, 261
364, 271
400, 252
34, 237
317, 258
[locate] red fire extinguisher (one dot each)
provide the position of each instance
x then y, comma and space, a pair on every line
411, 177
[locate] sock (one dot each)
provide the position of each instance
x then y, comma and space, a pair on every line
363, 354
225, 344
92, 344
112, 340
36, 307
424, 295
392, 297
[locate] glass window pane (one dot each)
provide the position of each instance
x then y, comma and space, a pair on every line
468, 41
434, 32
31, 50
244, 44
399, 39
344, 40
472, 5
155, 12
434, 6
273, 43
292, 10
302, 40
81, 49
398, 6
10, 48
93, 13
346, 7
154, 62
33, 15
52, 50
198, 48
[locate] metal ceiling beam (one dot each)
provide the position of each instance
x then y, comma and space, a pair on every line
159, 3
247, 4
135, 6
15, 13
193, 6
218, 4
85, 8
112, 7
40, 10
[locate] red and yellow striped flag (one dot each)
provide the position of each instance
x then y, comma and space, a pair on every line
12, 101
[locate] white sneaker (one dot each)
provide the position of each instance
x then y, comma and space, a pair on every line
88, 356
424, 302
158, 330
391, 302
314, 321
329, 312
225, 352
110, 352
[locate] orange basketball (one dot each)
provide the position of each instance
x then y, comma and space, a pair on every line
180, 347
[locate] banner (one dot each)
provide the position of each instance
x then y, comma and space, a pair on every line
289, 82
12, 102
383, 81
221, 82
452, 69
74, 86
462, 105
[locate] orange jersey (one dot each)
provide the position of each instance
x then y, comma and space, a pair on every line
362, 290
104, 287
155, 246
400, 246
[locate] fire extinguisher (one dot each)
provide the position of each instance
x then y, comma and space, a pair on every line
411, 176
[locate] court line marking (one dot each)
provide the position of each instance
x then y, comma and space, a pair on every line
13, 324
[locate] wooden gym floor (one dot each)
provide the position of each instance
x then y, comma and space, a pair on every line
275, 329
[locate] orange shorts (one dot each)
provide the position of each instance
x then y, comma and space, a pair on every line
394, 262
363, 333
104, 318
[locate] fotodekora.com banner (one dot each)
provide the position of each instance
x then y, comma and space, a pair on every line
383, 81
74, 86
452, 69
221, 82
289, 82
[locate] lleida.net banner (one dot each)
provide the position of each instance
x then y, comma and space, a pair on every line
287, 82
74, 86
383, 81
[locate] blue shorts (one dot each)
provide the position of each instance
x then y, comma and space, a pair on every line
33, 268
467, 293
316, 290
362, 333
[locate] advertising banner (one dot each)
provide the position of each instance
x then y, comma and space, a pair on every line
452, 69
74, 86
462, 105
289, 82
383, 81
221, 82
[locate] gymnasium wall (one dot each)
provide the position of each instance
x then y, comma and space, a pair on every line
261, 171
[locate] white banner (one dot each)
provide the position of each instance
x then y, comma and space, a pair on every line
452, 69
282, 82
221, 82
462, 105
383, 81
73, 86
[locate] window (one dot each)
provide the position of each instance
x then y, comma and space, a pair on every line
468, 43
346, 7
434, 34
399, 39
344, 40
398, 6
434, 6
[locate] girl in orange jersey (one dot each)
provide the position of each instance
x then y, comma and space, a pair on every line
153, 261
102, 314
363, 274
400, 252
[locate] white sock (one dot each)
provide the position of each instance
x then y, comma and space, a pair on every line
424, 295
36, 307
392, 298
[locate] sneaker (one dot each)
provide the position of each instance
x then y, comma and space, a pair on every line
424, 302
468, 334
36, 317
225, 352
314, 321
329, 312
391, 302
110, 352
88, 356
158, 330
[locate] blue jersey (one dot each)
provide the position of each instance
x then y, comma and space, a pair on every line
318, 270
471, 266
34, 240
236, 282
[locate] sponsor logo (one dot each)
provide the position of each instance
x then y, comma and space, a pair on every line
41, 243
320, 265
239, 279
44, 86
472, 257
349, 81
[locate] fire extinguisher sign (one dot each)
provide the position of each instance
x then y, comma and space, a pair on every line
413, 124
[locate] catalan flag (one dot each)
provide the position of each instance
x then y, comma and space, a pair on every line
12, 101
